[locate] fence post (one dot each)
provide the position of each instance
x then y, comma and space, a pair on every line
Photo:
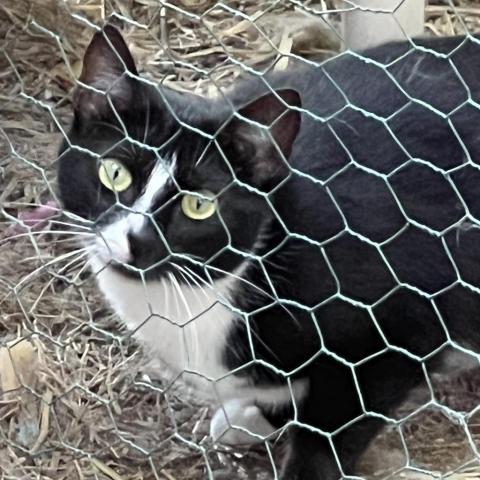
362, 29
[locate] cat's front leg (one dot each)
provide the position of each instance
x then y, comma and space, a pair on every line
309, 457
240, 422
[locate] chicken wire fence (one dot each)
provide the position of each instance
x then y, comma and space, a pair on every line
79, 398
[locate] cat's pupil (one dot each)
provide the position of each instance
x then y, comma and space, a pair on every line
116, 173
199, 203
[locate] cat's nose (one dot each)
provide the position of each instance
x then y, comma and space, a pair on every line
146, 248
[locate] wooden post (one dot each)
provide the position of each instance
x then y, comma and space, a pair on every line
397, 20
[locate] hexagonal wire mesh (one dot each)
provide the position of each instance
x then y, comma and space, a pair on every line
84, 397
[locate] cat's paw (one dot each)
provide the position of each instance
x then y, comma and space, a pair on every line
239, 423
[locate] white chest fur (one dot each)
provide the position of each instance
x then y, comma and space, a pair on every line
186, 327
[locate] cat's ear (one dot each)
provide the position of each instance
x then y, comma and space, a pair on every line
106, 64
259, 155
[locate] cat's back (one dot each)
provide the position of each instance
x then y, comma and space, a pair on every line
385, 166
388, 93
440, 72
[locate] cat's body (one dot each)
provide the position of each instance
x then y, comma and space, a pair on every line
358, 263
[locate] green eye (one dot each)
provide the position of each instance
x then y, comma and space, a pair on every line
199, 206
114, 175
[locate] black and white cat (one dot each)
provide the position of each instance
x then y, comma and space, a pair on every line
301, 248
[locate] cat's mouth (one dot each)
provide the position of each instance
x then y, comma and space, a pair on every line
127, 244
117, 256
118, 253
121, 253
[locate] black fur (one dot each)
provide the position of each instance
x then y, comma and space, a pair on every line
369, 241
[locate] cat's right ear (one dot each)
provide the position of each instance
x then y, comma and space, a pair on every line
258, 155
106, 66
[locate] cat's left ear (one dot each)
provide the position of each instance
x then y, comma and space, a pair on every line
259, 155
106, 66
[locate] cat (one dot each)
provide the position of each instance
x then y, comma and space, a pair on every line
302, 248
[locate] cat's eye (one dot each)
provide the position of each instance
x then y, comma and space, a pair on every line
114, 175
199, 206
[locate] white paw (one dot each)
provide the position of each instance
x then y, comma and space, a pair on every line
239, 423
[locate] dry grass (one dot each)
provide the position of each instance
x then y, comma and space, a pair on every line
76, 401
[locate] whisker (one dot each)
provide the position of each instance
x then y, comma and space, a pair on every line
42, 232
196, 275
59, 245
182, 296
81, 256
282, 268
147, 124
45, 244
177, 304
112, 126
35, 257
77, 218
82, 269
58, 232
194, 291
261, 290
48, 264
193, 324
184, 270
49, 283
71, 268
20, 223
123, 148
190, 317
68, 224
244, 280
167, 300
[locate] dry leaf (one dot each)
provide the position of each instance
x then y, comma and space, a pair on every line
17, 365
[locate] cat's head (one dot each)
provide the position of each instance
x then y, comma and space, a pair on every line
168, 176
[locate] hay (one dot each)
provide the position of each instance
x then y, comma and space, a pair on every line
86, 407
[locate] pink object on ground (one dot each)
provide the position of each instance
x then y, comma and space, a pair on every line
37, 217
33, 219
